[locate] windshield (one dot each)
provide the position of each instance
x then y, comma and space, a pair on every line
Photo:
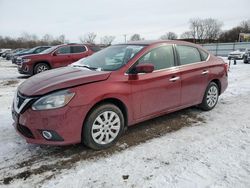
111, 58
49, 50
242, 49
31, 50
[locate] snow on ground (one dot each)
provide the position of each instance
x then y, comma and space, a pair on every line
215, 153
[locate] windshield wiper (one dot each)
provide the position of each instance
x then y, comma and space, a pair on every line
85, 66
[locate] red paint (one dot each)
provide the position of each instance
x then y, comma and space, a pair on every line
144, 95
53, 59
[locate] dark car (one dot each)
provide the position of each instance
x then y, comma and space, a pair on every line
5, 53
54, 57
114, 88
12, 53
35, 50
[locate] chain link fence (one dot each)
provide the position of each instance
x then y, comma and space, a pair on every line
223, 49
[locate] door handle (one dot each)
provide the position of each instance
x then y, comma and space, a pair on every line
205, 72
175, 78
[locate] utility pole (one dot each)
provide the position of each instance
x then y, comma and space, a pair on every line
125, 38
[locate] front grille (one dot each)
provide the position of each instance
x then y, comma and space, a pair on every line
22, 103
25, 131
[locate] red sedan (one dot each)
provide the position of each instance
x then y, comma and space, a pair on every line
93, 101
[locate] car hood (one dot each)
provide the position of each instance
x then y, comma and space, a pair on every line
34, 56
60, 78
236, 52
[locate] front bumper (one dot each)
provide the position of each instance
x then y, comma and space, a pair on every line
65, 122
235, 56
24, 69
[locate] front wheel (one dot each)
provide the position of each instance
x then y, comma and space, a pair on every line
210, 98
41, 67
103, 127
245, 60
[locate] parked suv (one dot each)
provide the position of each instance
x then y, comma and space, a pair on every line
35, 50
54, 57
247, 56
238, 54
95, 100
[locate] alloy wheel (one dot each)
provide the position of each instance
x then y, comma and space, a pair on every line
106, 127
212, 96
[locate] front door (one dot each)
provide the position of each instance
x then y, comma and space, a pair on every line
62, 57
158, 91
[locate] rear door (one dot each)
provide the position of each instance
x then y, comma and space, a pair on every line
78, 52
62, 57
194, 74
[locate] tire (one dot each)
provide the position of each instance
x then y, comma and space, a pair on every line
210, 98
245, 60
100, 123
41, 67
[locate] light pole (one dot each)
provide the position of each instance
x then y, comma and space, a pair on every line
125, 38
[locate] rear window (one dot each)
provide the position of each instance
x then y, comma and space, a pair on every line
95, 48
77, 49
204, 55
188, 54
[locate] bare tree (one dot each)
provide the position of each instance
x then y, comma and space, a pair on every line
62, 39
204, 29
135, 37
197, 28
245, 26
107, 40
212, 29
187, 35
47, 38
169, 35
88, 37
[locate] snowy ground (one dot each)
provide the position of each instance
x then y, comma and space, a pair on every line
211, 150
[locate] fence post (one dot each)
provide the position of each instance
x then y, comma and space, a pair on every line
234, 46
216, 49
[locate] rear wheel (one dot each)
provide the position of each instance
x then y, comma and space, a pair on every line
41, 67
245, 60
103, 127
210, 98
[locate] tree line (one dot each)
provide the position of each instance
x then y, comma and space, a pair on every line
205, 31
27, 40
200, 31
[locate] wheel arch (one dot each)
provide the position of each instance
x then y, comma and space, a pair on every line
218, 83
42, 61
115, 101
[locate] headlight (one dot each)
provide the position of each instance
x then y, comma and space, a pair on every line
25, 60
54, 100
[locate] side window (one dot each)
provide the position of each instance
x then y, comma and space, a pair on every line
188, 54
204, 55
38, 50
64, 50
161, 58
77, 49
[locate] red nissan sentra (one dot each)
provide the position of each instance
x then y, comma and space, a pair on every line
94, 100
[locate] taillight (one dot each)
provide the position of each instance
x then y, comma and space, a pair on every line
226, 67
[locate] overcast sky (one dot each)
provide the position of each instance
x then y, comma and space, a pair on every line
150, 18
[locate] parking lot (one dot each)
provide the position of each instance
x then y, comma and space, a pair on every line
193, 148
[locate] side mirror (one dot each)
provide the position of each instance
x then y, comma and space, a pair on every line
144, 68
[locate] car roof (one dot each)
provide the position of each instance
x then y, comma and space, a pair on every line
152, 42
